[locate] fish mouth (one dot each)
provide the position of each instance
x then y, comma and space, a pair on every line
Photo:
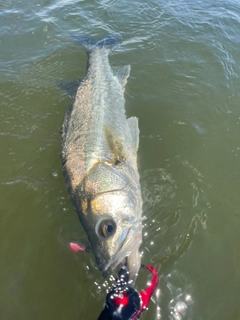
127, 254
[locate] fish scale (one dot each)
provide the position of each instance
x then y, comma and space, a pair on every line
99, 155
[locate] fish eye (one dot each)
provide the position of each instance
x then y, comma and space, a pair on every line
107, 228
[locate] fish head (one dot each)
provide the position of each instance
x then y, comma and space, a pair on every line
114, 229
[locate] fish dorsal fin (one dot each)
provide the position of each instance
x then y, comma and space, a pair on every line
115, 146
122, 73
134, 133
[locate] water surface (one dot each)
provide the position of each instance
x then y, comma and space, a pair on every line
184, 88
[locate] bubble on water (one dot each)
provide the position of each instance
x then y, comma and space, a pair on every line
158, 293
158, 313
176, 316
54, 174
188, 298
180, 307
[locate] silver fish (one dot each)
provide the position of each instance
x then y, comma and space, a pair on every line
99, 156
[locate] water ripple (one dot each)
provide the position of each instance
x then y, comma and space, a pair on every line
167, 210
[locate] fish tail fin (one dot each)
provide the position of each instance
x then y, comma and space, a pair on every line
90, 45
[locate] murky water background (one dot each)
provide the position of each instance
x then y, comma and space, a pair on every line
184, 88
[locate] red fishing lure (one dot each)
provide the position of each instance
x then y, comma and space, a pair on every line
123, 302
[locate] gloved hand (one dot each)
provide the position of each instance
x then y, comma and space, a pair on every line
123, 302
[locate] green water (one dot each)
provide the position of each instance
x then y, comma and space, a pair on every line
184, 88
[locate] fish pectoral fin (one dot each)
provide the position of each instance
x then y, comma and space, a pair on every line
122, 73
115, 146
70, 87
134, 133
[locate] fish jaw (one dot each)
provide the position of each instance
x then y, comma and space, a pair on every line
123, 208
128, 255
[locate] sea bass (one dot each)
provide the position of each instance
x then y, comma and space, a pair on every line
99, 156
